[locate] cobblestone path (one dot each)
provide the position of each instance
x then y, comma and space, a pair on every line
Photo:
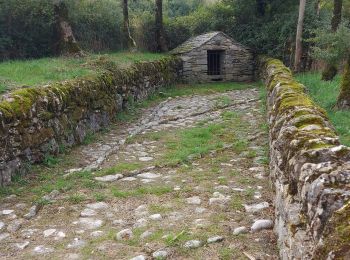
188, 180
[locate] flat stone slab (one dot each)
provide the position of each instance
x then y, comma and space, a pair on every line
256, 207
149, 175
109, 178
90, 223
97, 206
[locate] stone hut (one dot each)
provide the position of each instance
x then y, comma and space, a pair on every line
215, 56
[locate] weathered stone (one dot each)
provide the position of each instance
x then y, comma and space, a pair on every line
22, 245
43, 250
90, 223
256, 207
125, 234
194, 200
14, 225
193, 244
4, 236
146, 234
156, 217
32, 212
97, 233
261, 224
49, 232
240, 230
76, 243
160, 254
7, 211
139, 257
109, 178
97, 206
149, 175
215, 239
2, 225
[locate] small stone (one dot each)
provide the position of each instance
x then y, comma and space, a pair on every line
261, 224
90, 223
194, 200
146, 234
155, 217
177, 188
97, 233
14, 225
118, 222
32, 212
49, 232
88, 213
221, 201
149, 175
43, 250
145, 181
53, 194
257, 169
139, 257
142, 222
145, 159
160, 254
240, 230
125, 234
60, 235
200, 210
4, 236
7, 211
215, 239
141, 210
72, 256
129, 179
22, 246
193, 244
256, 207
2, 224
222, 187
77, 242
97, 206
109, 178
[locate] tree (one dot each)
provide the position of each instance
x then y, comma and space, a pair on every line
128, 41
298, 41
66, 43
159, 33
331, 69
343, 101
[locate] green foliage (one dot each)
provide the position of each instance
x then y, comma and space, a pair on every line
331, 47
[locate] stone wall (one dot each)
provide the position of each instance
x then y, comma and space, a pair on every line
237, 63
36, 122
310, 170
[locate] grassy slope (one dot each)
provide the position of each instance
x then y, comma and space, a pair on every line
325, 94
43, 71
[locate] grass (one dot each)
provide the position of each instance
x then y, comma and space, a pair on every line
141, 191
325, 94
47, 70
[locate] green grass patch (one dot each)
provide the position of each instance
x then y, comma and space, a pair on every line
119, 168
48, 70
325, 94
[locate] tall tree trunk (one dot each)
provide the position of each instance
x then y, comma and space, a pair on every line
343, 101
261, 7
331, 69
128, 41
160, 38
66, 43
299, 36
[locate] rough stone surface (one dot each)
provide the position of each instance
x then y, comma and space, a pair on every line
240, 230
124, 234
215, 239
90, 223
109, 178
193, 244
309, 167
261, 224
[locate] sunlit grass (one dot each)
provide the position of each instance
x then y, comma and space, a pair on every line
325, 94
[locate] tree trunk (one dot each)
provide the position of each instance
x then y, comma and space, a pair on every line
160, 38
128, 41
331, 69
343, 101
66, 43
299, 36
261, 7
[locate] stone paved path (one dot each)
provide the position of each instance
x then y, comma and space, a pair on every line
188, 181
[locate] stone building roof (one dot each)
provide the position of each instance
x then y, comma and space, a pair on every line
198, 41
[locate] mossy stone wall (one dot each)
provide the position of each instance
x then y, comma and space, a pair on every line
310, 170
35, 122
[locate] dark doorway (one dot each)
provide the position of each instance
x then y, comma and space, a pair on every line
214, 62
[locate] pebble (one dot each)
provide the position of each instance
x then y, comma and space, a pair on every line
149, 175
90, 223
97, 233
32, 212
192, 244
177, 188
240, 230
88, 213
109, 178
146, 234
262, 224
141, 210
77, 242
14, 225
256, 207
215, 239
97, 206
22, 246
200, 210
194, 200
139, 257
60, 235
49, 232
129, 179
160, 254
42, 250
145, 181
7, 211
125, 234
155, 217
142, 222
4, 236
145, 159
221, 201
